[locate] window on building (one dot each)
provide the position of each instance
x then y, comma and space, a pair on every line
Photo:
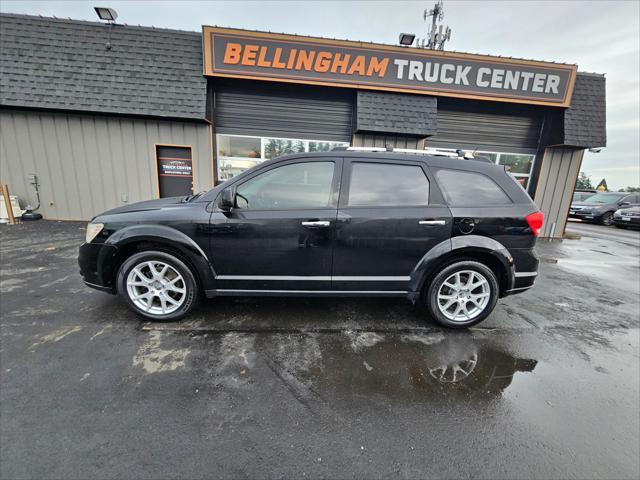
381, 185
275, 147
516, 163
238, 153
293, 186
470, 189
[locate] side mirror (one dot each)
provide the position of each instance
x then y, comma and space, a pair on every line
227, 200
624, 204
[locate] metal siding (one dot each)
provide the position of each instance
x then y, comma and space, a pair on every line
85, 163
556, 183
491, 127
262, 109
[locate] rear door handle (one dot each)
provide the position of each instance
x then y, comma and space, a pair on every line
316, 223
432, 222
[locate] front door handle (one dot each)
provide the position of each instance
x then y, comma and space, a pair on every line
432, 222
316, 223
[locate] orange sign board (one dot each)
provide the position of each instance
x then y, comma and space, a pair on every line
340, 63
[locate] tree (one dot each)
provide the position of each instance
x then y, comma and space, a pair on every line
584, 182
631, 189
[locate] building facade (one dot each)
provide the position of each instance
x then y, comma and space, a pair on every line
106, 115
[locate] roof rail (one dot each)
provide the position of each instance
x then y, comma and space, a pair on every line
461, 154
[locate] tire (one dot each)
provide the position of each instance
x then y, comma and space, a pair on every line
173, 290
606, 219
487, 286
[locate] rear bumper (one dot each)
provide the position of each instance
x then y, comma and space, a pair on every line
525, 261
95, 261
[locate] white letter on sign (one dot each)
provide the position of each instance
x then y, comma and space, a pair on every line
480, 81
461, 75
552, 84
415, 70
538, 82
444, 78
401, 64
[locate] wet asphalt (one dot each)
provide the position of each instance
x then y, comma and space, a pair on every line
547, 387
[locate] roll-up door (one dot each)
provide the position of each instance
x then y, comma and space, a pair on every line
283, 110
487, 126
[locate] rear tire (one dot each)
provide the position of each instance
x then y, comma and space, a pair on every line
462, 294
157, 286
606, 219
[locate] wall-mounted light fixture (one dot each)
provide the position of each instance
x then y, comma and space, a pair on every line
105, 13
407, 39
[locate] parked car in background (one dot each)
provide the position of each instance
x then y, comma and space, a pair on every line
580, 195
627, 217
600, 207
451, 233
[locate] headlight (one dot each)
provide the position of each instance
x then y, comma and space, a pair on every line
93, 229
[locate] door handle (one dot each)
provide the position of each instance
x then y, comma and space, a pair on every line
316, 223
432, 222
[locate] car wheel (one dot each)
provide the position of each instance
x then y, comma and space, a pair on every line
462, 294
157, 285
606, 219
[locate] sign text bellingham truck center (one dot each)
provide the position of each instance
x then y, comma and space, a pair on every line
431, 72
353, 64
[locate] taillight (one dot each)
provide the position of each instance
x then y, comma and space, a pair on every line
535, 222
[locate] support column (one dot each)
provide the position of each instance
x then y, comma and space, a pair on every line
556, 183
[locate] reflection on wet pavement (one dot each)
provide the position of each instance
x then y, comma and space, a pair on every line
412, 367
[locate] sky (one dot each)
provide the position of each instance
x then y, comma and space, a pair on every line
599, 36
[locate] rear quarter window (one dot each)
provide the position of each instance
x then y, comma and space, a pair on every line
470, 189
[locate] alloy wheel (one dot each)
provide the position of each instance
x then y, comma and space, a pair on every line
156, 287
607, 219
463, 295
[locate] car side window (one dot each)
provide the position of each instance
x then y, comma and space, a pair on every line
293, 186
470, 189
387, 185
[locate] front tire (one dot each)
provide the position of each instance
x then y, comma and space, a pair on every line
606, 219
462, 294
157, 286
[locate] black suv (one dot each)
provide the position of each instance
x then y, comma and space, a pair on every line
451, 233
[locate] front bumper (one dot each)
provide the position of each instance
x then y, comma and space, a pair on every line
96, 262
588, 216
632, 222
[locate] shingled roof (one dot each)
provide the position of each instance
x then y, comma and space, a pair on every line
396, 113
65, 64
585, 121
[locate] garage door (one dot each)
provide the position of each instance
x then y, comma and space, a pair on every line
487, 126
282, 110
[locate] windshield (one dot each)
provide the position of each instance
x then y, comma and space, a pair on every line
605, 198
